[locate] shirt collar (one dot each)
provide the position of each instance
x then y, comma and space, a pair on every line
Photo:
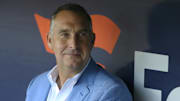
53, 74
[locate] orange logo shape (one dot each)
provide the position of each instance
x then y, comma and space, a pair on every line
107, 32
43, 25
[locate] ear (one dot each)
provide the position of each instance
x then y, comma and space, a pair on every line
93, 38
49, 40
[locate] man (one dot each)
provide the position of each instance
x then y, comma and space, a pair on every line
76, 77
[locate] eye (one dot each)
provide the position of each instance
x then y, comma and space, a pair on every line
64, 35
82, 34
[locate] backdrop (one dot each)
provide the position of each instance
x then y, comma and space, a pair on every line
121, 26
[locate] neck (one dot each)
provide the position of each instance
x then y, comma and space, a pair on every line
65, 74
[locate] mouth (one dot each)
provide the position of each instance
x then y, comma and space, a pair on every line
72, 53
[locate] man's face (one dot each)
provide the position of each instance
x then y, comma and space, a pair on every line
71, 40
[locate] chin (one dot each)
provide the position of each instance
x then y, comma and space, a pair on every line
75, 67
74, 64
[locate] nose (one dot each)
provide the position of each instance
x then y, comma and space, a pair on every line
74, 42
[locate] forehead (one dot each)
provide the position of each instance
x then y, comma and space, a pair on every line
68, 18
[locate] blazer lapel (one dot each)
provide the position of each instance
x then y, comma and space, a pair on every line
85, 83
46, 91
78, 93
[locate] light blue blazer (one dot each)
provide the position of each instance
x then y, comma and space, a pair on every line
95, 84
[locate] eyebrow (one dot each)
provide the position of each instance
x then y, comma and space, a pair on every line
81, 30
84, 30
64, 30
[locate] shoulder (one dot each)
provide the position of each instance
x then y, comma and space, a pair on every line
106, 79
100, 77
37, 86
111, 87
38, 82
40, 79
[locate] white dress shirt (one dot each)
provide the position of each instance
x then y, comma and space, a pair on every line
56, 94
